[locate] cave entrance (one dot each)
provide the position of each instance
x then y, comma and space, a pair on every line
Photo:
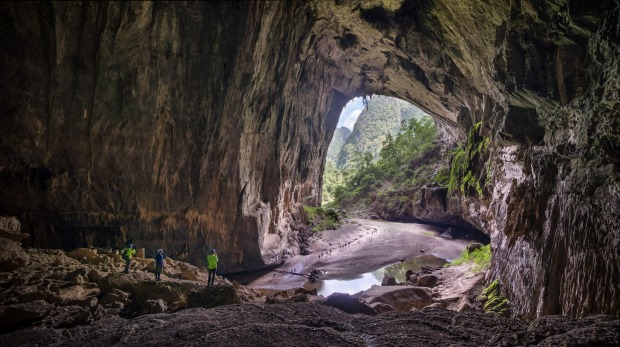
383, 149
387, 163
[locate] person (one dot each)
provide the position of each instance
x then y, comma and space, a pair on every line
128, 253
212, 267
159, 264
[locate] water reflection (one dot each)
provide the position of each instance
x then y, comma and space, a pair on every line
365, 281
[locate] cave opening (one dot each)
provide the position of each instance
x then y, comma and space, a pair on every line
386, 173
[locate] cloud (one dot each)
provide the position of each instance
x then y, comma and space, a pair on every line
351, 118
350, 113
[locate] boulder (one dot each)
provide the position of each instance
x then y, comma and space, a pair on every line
29, 293
12, 255
177, 306
402, 298
10, 224
472, 246
209, 297
67, 316
77, 276
114, 296
143, 286
301, 297
140, 253
188, 275
306, 291
153, 306
381, 307
78, 292
10, 228
95, 276
427, 280
83, 253
349, 304
17, 314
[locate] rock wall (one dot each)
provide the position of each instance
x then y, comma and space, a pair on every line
191, 126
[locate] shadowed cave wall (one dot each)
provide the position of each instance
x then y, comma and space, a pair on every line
200, 125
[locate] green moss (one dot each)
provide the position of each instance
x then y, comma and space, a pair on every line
480, 257
493, 300
463, 174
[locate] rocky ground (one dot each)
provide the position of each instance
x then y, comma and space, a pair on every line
54, 298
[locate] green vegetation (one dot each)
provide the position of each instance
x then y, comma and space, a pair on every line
338, 140
403, 164
462, 174
493, 300
382, 117
481, 258
322, 219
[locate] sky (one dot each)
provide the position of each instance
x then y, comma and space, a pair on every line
350, 113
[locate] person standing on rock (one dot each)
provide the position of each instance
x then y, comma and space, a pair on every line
212, 267
159, 264
128, 253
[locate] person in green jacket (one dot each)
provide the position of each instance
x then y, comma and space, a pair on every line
128, 253
212, 266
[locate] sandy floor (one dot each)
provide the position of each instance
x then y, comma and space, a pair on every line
361, 246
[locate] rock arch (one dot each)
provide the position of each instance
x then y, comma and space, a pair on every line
206, 124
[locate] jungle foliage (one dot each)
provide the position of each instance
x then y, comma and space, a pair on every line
462, 175
402, 163
480, 258
322, 218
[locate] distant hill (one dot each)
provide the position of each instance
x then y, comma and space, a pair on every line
340, 136
384, 115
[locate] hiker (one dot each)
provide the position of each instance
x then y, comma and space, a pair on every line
128, 253
159, 264
212, 267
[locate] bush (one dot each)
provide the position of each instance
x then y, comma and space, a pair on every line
322, 219
480, 257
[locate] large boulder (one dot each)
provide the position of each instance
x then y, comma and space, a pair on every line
427, 280
10, 228
83, 253
349, 304
67, 316
153, 306
78, 292
18, 314
209, 297
115, 297
142, 286
12, 255
401, 298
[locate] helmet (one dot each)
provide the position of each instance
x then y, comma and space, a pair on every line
160, 251
131, 245
213, 250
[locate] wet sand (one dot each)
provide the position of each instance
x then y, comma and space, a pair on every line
361, 246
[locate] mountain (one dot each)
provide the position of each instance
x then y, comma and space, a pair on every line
383, 115
338, 140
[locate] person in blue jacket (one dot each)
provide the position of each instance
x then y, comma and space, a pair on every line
159, 264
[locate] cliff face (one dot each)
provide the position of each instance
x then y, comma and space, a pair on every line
200, 125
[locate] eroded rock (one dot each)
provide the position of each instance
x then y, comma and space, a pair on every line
12, 255
401, 298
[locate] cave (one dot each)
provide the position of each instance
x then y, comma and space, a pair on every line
202, 125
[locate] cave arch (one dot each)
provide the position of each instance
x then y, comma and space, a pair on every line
206, 125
